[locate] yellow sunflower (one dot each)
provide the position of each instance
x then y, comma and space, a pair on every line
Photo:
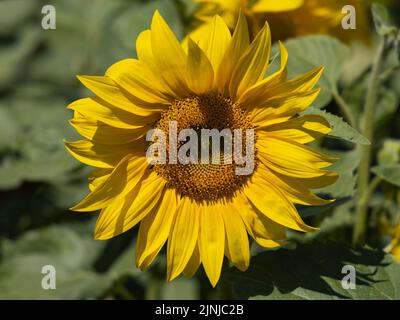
204, 211
291, 18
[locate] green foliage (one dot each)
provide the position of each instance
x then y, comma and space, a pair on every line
314, 272
68, 248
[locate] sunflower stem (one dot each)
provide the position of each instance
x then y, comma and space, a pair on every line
367, 129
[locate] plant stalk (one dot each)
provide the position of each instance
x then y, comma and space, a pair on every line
367, 129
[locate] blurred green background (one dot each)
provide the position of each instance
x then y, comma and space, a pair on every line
39, 180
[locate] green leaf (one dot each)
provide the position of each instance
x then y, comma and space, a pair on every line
346, 165
389, 173
314, 272
357, 64
390, 152
307, 53
71, 249
340, 128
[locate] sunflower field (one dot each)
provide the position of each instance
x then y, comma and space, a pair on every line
86, 213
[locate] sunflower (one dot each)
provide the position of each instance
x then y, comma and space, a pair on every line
203, 211
291, 18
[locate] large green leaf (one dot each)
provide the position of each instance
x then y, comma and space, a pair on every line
314, 272
69, 248
309, 52
345, 185
340, 128
389, 173
75, 255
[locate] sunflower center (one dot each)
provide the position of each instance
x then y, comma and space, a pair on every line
207, 179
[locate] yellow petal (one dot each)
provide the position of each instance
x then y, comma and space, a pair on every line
155, 228
129, 171
252, 65
237, 242
281, 74
98, 176
276, 6
99, 155
273, 203
301, 83
236, 48
325, 180
106, 89
294, 190
291, 158
130, 207
212, 241
280, 108
302, 129
200, 71
169, 56
263, 230
253, 95
214, 39
269, 92
98, 109
134, 77
99, 132
145, 51
183, 237
193, 264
